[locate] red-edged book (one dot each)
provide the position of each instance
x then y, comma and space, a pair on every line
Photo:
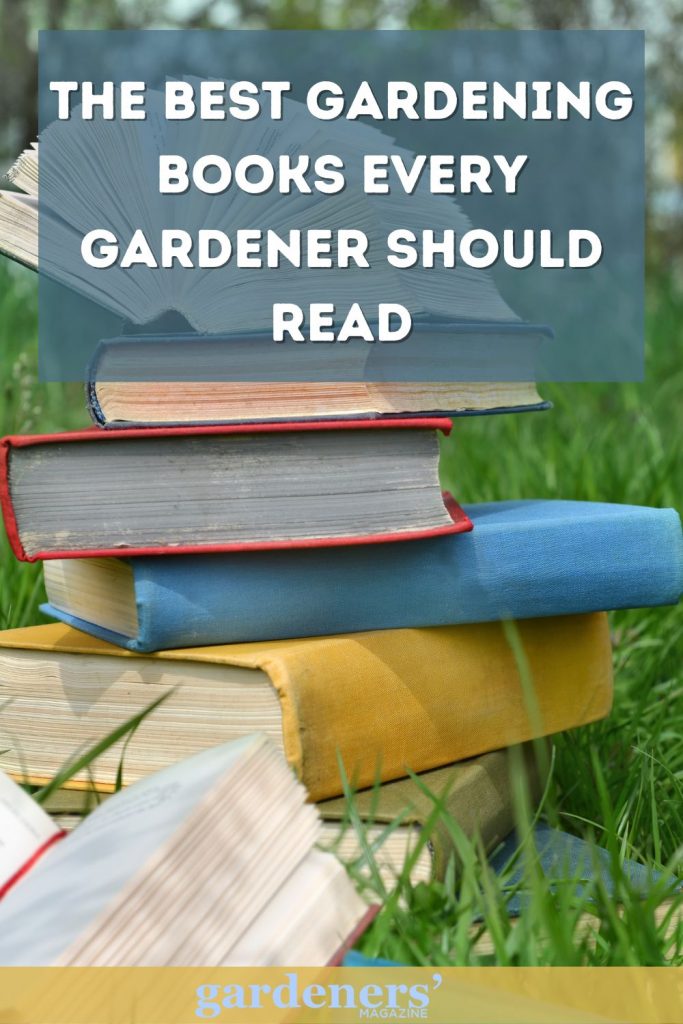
210, 862
181, 490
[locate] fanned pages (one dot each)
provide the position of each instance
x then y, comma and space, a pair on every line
201, 297
211, 862
141, 295
24, 172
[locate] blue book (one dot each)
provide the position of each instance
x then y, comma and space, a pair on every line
524, 559
563, 859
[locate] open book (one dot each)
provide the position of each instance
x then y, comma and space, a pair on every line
81, 155
154, 391
211, 862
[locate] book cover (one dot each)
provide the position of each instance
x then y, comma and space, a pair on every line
446, 516
476, 793
524, 559
384, 703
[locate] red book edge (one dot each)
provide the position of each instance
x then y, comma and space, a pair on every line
96, 433
460, 522
6, 502
362, 926
27, 865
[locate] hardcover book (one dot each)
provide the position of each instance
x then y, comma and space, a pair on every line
524, 559
143, 379
476, 794
459, 292
385, 703
458, 300
169, 491
397, 818
188, 867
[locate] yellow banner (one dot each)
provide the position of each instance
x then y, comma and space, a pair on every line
476, 995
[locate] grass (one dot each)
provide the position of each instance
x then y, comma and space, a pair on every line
618, 783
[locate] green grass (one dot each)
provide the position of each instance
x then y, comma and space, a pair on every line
619, 782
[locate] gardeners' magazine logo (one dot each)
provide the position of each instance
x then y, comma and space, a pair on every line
372, 1002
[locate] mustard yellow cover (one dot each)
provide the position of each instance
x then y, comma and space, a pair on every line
404, 699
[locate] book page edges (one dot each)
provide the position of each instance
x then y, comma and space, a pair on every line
426, 697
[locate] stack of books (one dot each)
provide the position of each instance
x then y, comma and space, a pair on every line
356, 621
283, 561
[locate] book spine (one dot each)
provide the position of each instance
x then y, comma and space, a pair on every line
490, 812
6, 502
93, 404
628, 559
432, 698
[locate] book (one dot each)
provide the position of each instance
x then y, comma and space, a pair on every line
383, 703
564, 859
451, 292
568, 861
225, 488
523, 559
455, 300
476, 793
154, 380
211, 862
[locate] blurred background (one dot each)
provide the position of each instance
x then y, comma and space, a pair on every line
662, 21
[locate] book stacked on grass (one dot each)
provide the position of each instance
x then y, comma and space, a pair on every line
161, 335
211, 631
305, 579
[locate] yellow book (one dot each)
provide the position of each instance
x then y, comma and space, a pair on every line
384, 702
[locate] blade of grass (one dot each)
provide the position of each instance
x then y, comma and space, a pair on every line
71, 769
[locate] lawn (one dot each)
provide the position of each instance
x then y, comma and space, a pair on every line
618, 783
